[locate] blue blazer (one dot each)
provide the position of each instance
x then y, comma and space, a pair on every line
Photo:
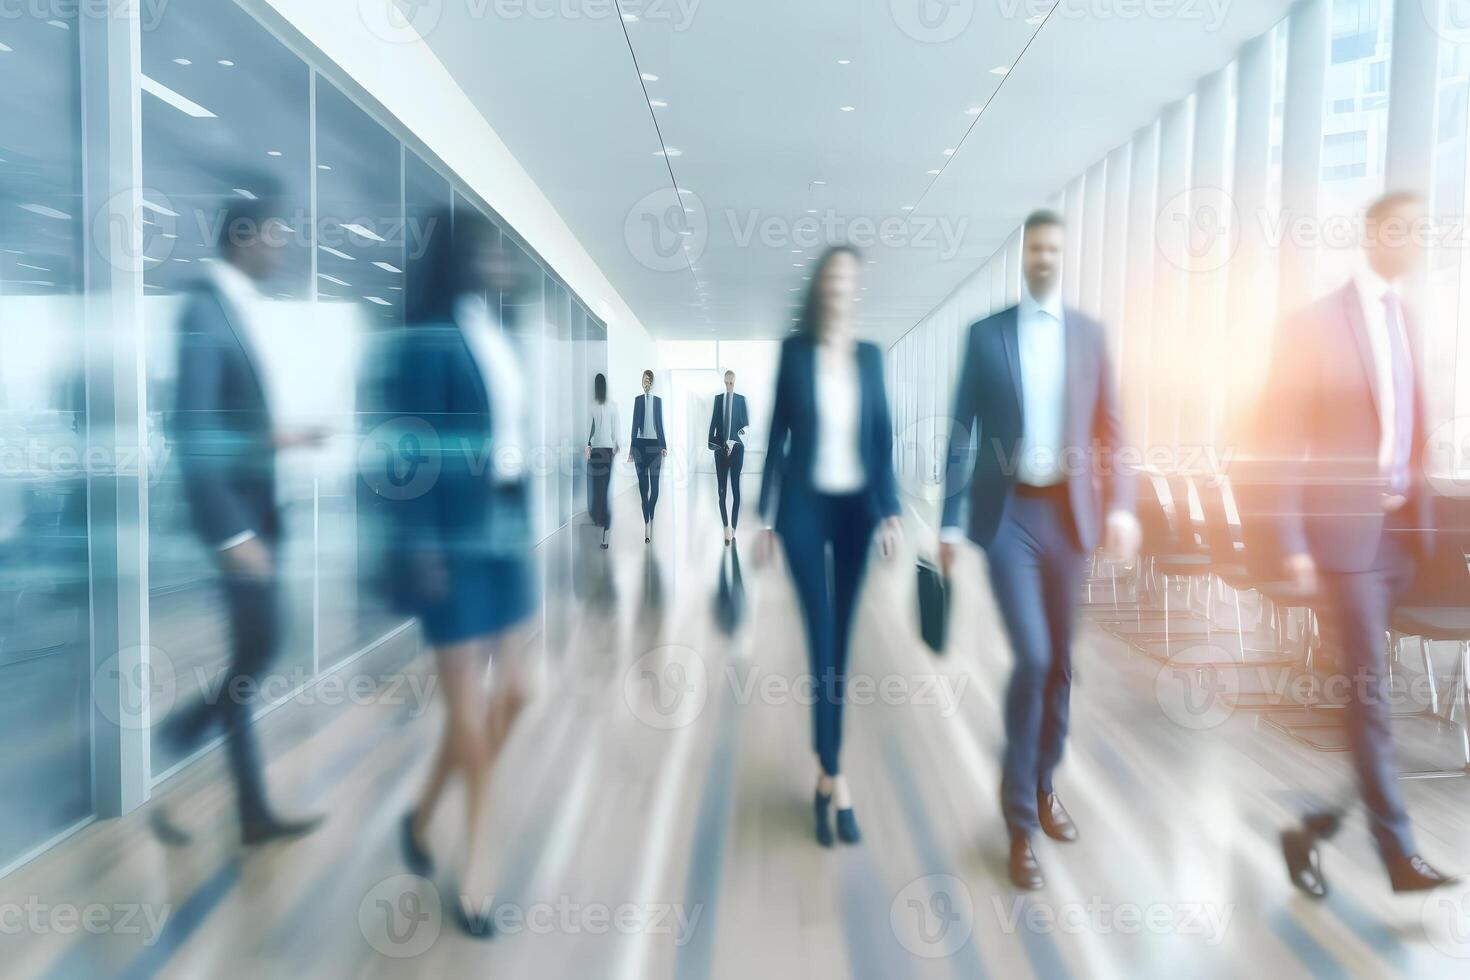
988, 405
1319, 435
222, 425
658, 419
786, 485
739, 419
441, 454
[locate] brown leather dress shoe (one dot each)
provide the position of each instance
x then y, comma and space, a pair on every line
1414, 874
1055, 820
1024, 869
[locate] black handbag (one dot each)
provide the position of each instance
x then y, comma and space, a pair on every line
933, 606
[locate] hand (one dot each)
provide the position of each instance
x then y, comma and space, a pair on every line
1302, 570
586, 452
890, 533
765, 546
947, 553
630, 457
663, 452
1122, 538
248, 559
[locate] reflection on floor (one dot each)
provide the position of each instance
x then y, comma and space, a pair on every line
651, 817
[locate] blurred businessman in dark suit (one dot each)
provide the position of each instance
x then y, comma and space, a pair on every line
1037, 391
227, 447
727, 424
1344, 404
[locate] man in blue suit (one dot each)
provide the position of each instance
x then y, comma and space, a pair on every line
227, 446
728, 422
647, 448
1353, 516
1038, 395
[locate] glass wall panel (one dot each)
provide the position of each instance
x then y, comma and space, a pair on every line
224, 118
45, 641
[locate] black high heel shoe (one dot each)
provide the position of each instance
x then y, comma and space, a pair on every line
418, 859
472, 924
847, 827
824, 826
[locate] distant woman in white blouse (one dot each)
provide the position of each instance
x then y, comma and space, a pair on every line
602, 449
829, 482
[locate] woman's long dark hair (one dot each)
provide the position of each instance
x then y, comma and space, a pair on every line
445, 270
599, 389
809, 326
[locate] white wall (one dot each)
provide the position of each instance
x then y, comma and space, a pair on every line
419, 91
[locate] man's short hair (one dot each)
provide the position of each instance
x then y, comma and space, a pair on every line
1388, 202
1043, 219
729, 374
244, 222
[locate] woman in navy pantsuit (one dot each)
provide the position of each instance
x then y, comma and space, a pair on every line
829, 483
463, 534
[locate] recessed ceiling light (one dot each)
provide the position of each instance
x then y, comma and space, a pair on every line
272, 153
847, 108
685, 190
364, 232
247, 195
949, 152
844, 61
819, 183
648, 76
630, 18
799, 265
974, 110
162, 92
658, 103
378, 300
908, 207
388, 268
340, 254
5, 48
332, 279
932, 173
1001, 70
669, 151
183, 61
45, 212
225, 63
1037, 19
323, 166
811, 210
59, 25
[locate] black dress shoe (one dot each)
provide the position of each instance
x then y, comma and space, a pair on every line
415, 855
266, 831
824, 826
1055, 820
1303, 866
847, 827
1024, 868
169, 834
1414, 874
472, 924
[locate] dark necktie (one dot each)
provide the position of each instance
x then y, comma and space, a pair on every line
1401, 365
729, 413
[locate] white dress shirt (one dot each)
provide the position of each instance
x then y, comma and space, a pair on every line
500, 370
649, 430
1372, 288
729, 421
1042, 346
838, 467
604, 426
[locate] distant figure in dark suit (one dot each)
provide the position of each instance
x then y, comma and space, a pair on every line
464, 541
647, 449
828, 487
602, 450
1037, 390
227, 446
728, 422
1342, 432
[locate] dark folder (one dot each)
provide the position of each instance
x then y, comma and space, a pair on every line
933, 606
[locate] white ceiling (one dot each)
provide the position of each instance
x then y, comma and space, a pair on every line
754, 91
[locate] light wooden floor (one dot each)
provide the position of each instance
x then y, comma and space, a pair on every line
640, 835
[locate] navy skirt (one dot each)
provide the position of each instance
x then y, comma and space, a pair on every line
486, 596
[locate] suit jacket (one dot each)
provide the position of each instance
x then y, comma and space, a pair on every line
441, 411
738, 421
222, 424
1319, 433
658, 418
988, 405
786, 484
